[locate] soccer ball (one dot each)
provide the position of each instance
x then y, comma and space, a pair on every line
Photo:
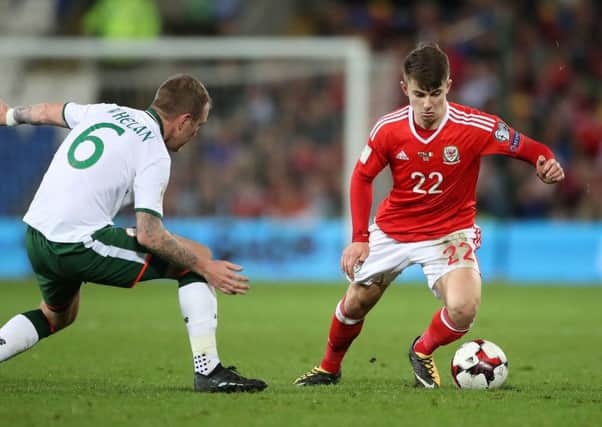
479, 364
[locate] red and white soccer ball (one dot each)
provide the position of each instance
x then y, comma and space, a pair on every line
479, 364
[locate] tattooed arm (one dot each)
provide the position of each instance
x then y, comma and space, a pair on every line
186, 254
37, 114
152, 235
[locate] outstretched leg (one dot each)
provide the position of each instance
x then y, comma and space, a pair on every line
25, 330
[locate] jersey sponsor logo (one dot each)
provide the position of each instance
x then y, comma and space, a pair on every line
402, 156
365, 154
425, 155
502, 134
515, 142
451, 155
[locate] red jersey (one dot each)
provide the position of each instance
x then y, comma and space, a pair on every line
434, 175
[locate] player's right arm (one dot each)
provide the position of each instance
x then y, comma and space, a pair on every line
369, 165
223, 275
37, 114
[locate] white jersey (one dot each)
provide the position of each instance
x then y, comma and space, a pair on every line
112, 156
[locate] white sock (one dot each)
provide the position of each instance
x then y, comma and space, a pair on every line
198, 304
16, 336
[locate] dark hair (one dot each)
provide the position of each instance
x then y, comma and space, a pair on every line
181, 94
427, 65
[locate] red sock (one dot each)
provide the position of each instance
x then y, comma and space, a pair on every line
340, 337
441, 331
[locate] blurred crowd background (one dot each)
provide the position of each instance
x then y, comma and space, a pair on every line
273, 147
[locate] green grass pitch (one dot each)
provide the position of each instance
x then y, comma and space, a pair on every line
126, 361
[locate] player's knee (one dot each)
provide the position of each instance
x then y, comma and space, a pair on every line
463, 313
358, 304
59, 320
72, 318
355, 308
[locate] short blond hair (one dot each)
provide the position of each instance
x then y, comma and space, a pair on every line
181, 94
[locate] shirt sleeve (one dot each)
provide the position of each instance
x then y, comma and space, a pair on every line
150, 184
373, 157
74, 113
509, 142
372, 160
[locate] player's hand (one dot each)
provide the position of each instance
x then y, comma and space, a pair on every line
224, 276
549, 171
3, 109
353, 257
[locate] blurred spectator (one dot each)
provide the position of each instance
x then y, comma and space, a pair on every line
121, 19
275, 147
27, 17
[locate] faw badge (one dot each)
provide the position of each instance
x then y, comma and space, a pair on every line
502, 134
451, 155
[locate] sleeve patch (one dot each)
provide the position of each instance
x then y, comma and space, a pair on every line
365, 154
515, 142
502, 134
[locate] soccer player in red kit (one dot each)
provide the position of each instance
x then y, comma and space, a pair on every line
433, 148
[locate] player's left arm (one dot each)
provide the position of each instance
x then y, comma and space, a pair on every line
549, 170
37, 114
509, 142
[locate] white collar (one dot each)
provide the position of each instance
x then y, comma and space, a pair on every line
434, 135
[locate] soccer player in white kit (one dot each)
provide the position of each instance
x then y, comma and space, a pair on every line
433, 148
114, 156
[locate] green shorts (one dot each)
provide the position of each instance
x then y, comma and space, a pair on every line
111, 257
